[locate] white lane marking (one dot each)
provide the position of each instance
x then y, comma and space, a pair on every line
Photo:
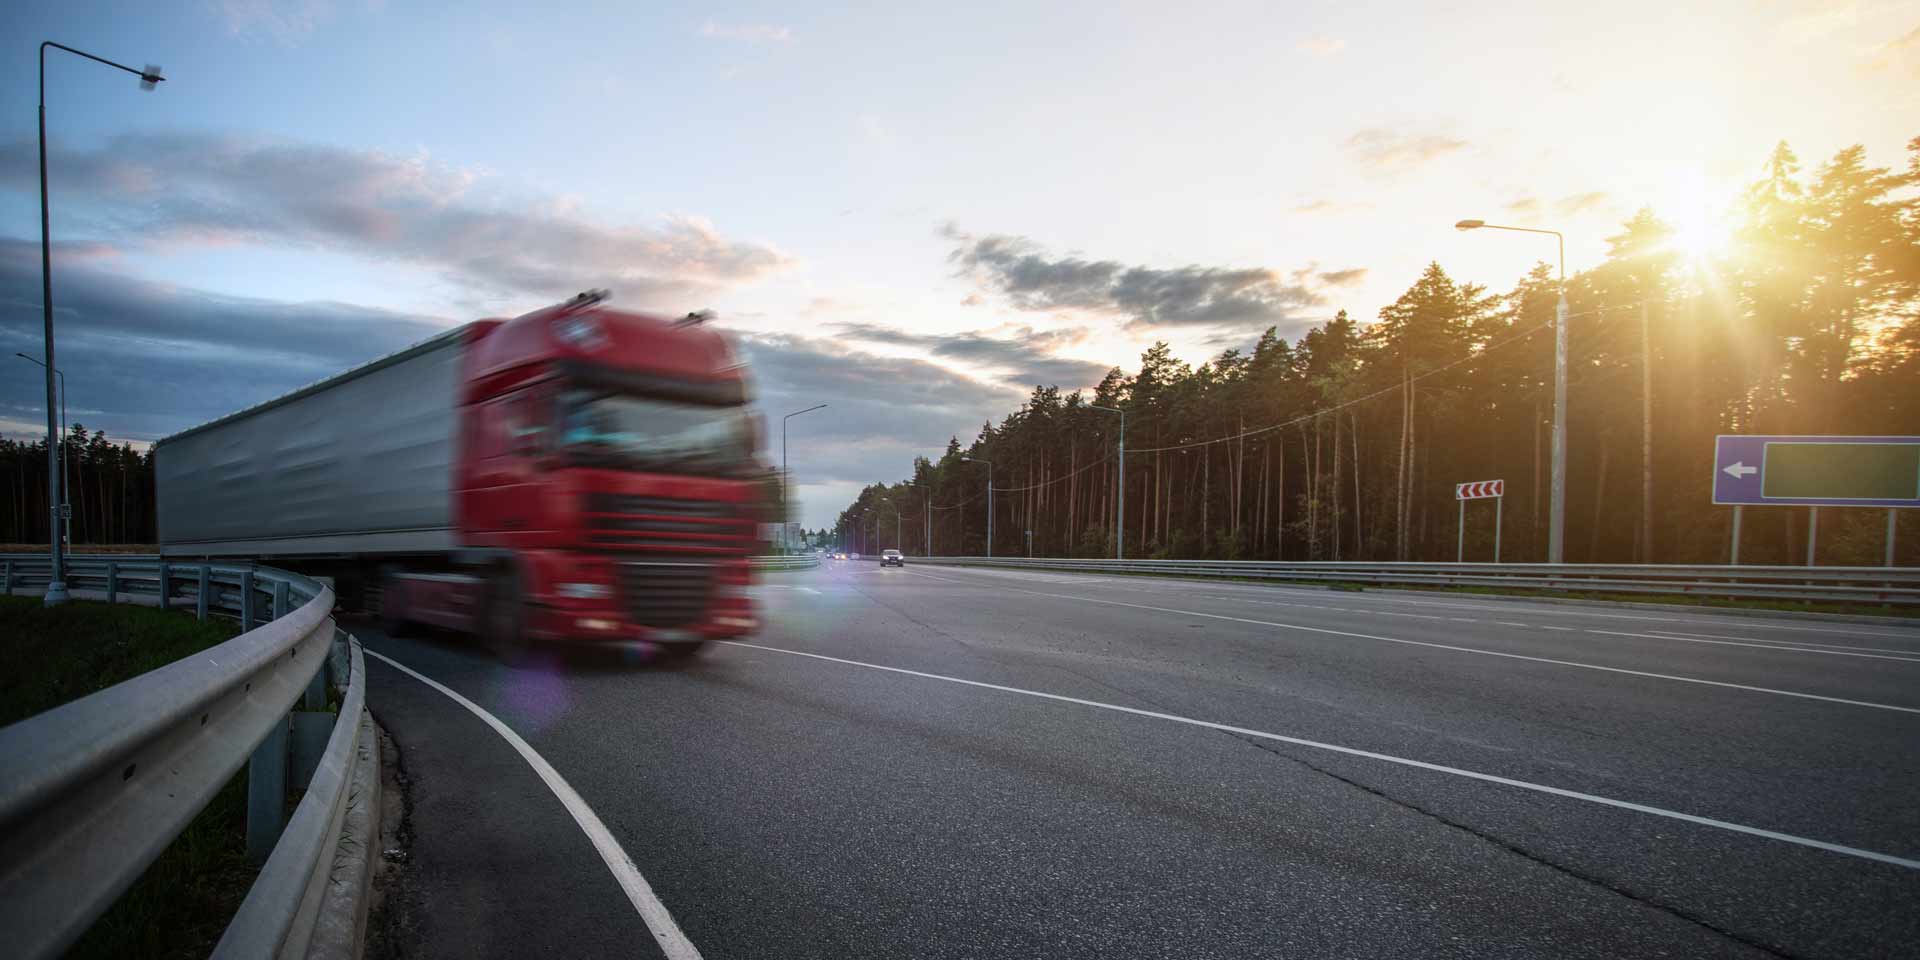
1628, 616
1539, 609
1760, 645
1449, 646
808, 590
1371, 755
1750, 642
1791, 643
665, 932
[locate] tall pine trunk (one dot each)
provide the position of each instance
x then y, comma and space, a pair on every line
1337, 524
1359, 529
1400, 491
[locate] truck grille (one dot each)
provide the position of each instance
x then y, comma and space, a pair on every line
664, 525
666, 594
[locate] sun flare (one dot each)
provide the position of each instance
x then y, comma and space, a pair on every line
1700, 231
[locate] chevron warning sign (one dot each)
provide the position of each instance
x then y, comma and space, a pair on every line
1480, 490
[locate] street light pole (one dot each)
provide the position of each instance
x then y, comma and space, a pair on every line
896, 522
1120, 511
785, 546
1557, 512
149, 78
66, 487
926, 520
989, 464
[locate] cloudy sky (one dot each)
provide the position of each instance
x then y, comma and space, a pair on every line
912, 213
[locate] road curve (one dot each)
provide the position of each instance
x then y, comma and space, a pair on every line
944, 762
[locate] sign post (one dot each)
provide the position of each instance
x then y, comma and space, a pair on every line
1495, 490
1815, 472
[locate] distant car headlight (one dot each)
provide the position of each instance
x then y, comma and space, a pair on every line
585, 591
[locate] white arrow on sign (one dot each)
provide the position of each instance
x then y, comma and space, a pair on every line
1737, 470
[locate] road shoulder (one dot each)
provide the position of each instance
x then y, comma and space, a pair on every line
490, 862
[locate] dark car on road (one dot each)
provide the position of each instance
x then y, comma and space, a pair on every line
892, 558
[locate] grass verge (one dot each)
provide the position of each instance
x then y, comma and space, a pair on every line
181, 904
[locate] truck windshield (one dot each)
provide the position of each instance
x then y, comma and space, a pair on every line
644, 433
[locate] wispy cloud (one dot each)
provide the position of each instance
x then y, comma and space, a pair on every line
885, 410
1025, 356
1894, 51
1321, 46
1528, 207
401, 208
1327, 205
1813, 19
1147, 297
1388, 151
1350, 277
747, 32
1580, 203
282, 20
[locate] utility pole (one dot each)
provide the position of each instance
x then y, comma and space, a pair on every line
926, 519
1646, 437
1557, 511
989, 464
785, 546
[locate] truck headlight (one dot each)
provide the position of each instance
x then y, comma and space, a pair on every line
585, 591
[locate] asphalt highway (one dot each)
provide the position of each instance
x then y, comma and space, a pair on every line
948, 762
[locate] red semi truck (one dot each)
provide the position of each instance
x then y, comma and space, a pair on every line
578, 474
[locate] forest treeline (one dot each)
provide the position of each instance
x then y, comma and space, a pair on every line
111, 490
1346, 444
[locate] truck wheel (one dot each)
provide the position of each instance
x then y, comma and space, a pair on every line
393, 609
503, 616
671, 652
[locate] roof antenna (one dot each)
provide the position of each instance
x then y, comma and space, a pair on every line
585, 297
695, 318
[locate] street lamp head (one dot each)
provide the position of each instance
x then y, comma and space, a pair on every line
1469, 224
150, 77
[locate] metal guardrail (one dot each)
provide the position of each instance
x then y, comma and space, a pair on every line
799, 561
93, 790
1863, 585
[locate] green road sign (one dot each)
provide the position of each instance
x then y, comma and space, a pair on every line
1842, 471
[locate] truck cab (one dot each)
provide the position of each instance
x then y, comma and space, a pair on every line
604, 483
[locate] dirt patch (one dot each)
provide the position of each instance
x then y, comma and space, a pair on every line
391, 926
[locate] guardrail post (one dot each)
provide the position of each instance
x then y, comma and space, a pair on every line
163, 584
266, 793
6, 578
113, 582
246, 600
200, 599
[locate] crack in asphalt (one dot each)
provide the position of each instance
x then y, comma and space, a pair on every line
1507, 845
1523, 852
910, 618
392, 930
1511, 847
